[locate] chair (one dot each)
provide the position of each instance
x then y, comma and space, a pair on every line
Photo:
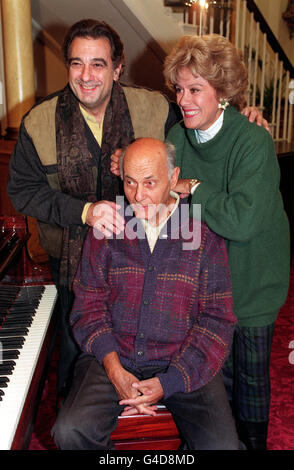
142, 432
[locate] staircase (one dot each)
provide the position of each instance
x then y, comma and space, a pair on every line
149, 29
270, 72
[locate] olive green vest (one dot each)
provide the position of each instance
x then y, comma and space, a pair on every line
149, 112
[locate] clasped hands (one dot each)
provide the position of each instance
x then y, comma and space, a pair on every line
138, 396
144, 396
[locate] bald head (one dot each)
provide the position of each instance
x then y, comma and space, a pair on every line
153, 147
161, 150
149, 174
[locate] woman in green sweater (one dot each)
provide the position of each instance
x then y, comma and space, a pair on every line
230, 167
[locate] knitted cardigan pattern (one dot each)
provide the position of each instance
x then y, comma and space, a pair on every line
170, 308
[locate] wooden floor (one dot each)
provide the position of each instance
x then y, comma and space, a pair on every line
284, 149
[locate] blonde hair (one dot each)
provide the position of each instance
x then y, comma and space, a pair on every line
215, 59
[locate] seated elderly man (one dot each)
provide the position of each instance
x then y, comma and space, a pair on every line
153, 316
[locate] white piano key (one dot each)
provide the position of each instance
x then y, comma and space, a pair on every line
15, 394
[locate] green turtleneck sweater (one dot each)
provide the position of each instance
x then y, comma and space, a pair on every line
240, 200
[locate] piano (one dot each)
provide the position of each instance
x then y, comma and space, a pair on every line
27, 330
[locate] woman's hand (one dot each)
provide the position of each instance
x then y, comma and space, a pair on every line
114, 162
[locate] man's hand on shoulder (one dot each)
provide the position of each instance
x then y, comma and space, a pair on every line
104, 216
254, 115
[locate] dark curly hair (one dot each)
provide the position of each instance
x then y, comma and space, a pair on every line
94, 29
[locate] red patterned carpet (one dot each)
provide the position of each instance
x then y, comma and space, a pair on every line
281, 426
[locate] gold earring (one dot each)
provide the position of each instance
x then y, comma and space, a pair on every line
223, 104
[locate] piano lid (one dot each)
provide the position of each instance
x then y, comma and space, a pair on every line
16, 266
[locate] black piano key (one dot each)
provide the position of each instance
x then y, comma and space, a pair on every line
3, 381
19, 331
12, 343
18, 316
17, 322
9, 354
14, 322
3, 334
6, 365
18, 306
6, 370
22, 307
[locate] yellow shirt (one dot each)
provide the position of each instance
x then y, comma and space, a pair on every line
96, 129
94, 125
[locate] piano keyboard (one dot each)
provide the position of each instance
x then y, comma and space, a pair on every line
21, 342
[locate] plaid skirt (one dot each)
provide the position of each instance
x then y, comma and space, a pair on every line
247, 373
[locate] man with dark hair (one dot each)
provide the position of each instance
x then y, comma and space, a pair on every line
95, 29
153, 314
60, 168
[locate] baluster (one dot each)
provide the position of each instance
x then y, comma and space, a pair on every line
228, 22
194, 18
286, 106
237, 23
186, 14
250, 54
279, 102
200, 22
248, 38
256, 64
211, 19
275, 89
244, 9
290, 125
263, 72
221, 23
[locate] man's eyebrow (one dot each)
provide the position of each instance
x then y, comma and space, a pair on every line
145, 177
95, 59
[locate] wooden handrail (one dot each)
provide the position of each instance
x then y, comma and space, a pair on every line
258, 16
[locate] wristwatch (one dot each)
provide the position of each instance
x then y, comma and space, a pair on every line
193, 182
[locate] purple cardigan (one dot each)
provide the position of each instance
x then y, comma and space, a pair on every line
171, 308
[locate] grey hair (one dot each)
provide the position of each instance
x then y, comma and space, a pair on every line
170, 152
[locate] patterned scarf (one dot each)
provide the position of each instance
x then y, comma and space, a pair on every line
75, 164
